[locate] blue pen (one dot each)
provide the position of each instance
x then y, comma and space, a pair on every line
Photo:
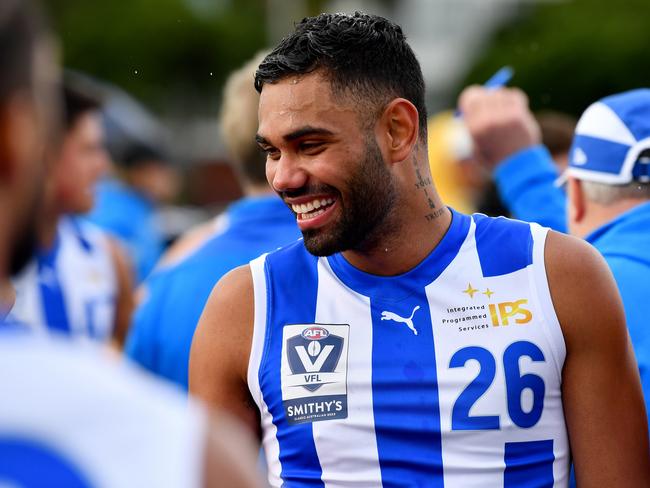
497, 80
500, 78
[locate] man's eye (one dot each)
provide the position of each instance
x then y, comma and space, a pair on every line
311, 147
271, 152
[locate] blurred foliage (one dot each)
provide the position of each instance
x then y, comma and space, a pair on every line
568, 54
171, 54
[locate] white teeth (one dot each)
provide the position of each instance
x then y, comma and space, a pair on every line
311, 209
307, 216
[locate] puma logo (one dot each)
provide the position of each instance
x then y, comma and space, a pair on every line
396, 318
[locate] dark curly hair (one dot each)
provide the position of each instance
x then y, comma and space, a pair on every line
363, 56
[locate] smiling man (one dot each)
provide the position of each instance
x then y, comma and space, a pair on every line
403, 343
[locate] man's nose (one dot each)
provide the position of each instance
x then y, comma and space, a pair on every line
286, 174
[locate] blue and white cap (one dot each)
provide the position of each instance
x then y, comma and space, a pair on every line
609, 137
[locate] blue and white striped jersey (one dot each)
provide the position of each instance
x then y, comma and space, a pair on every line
72, 287
446, 376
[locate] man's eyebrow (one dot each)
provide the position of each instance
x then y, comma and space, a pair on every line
297, 134
307, 131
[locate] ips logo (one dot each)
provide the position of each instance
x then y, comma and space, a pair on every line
506, 312
314, 372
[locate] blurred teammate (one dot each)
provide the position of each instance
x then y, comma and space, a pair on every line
174, 296
79, 282
403, 343
608, 184
68, 417
127, 208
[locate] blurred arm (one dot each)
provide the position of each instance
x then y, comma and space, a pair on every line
602, 397
124, 301
230, 456
526, 185
507, 141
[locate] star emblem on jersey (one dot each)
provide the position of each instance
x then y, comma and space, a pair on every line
314, 372
488, 293
470, 291
408, 321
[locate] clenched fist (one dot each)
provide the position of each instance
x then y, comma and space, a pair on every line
499, 122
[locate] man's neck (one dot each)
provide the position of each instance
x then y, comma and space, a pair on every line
599, 215
418, 225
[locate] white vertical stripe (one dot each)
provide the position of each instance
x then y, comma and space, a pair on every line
347, 448
270, 441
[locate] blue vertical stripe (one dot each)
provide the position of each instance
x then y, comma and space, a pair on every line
499, 245
529, 464
405, 395
56, 316
404, 376
292, 286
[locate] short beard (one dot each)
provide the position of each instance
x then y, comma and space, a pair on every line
371, 197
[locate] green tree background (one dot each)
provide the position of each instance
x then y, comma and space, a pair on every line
568, 54
163, 52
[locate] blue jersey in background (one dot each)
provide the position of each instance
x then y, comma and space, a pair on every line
163, 325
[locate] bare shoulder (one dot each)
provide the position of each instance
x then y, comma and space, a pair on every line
221, 347
582, 287
226, 325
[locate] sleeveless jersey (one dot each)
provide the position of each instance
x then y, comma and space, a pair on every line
71, 418
446, 376
71, 288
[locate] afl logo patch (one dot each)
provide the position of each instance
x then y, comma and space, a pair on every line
314, 372
315, 333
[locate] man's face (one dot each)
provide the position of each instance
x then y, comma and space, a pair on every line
82, 161
324, 164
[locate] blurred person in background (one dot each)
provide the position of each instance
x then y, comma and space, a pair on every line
608, 197
69, 417
463, 182
557, 129
79, 282
127, 204
174, 295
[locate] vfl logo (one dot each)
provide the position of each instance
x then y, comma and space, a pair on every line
313, 372
504, 311
313, 352
396, 318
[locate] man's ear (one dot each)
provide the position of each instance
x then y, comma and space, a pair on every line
576, 200
399, 125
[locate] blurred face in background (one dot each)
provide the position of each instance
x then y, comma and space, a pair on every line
82, 160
